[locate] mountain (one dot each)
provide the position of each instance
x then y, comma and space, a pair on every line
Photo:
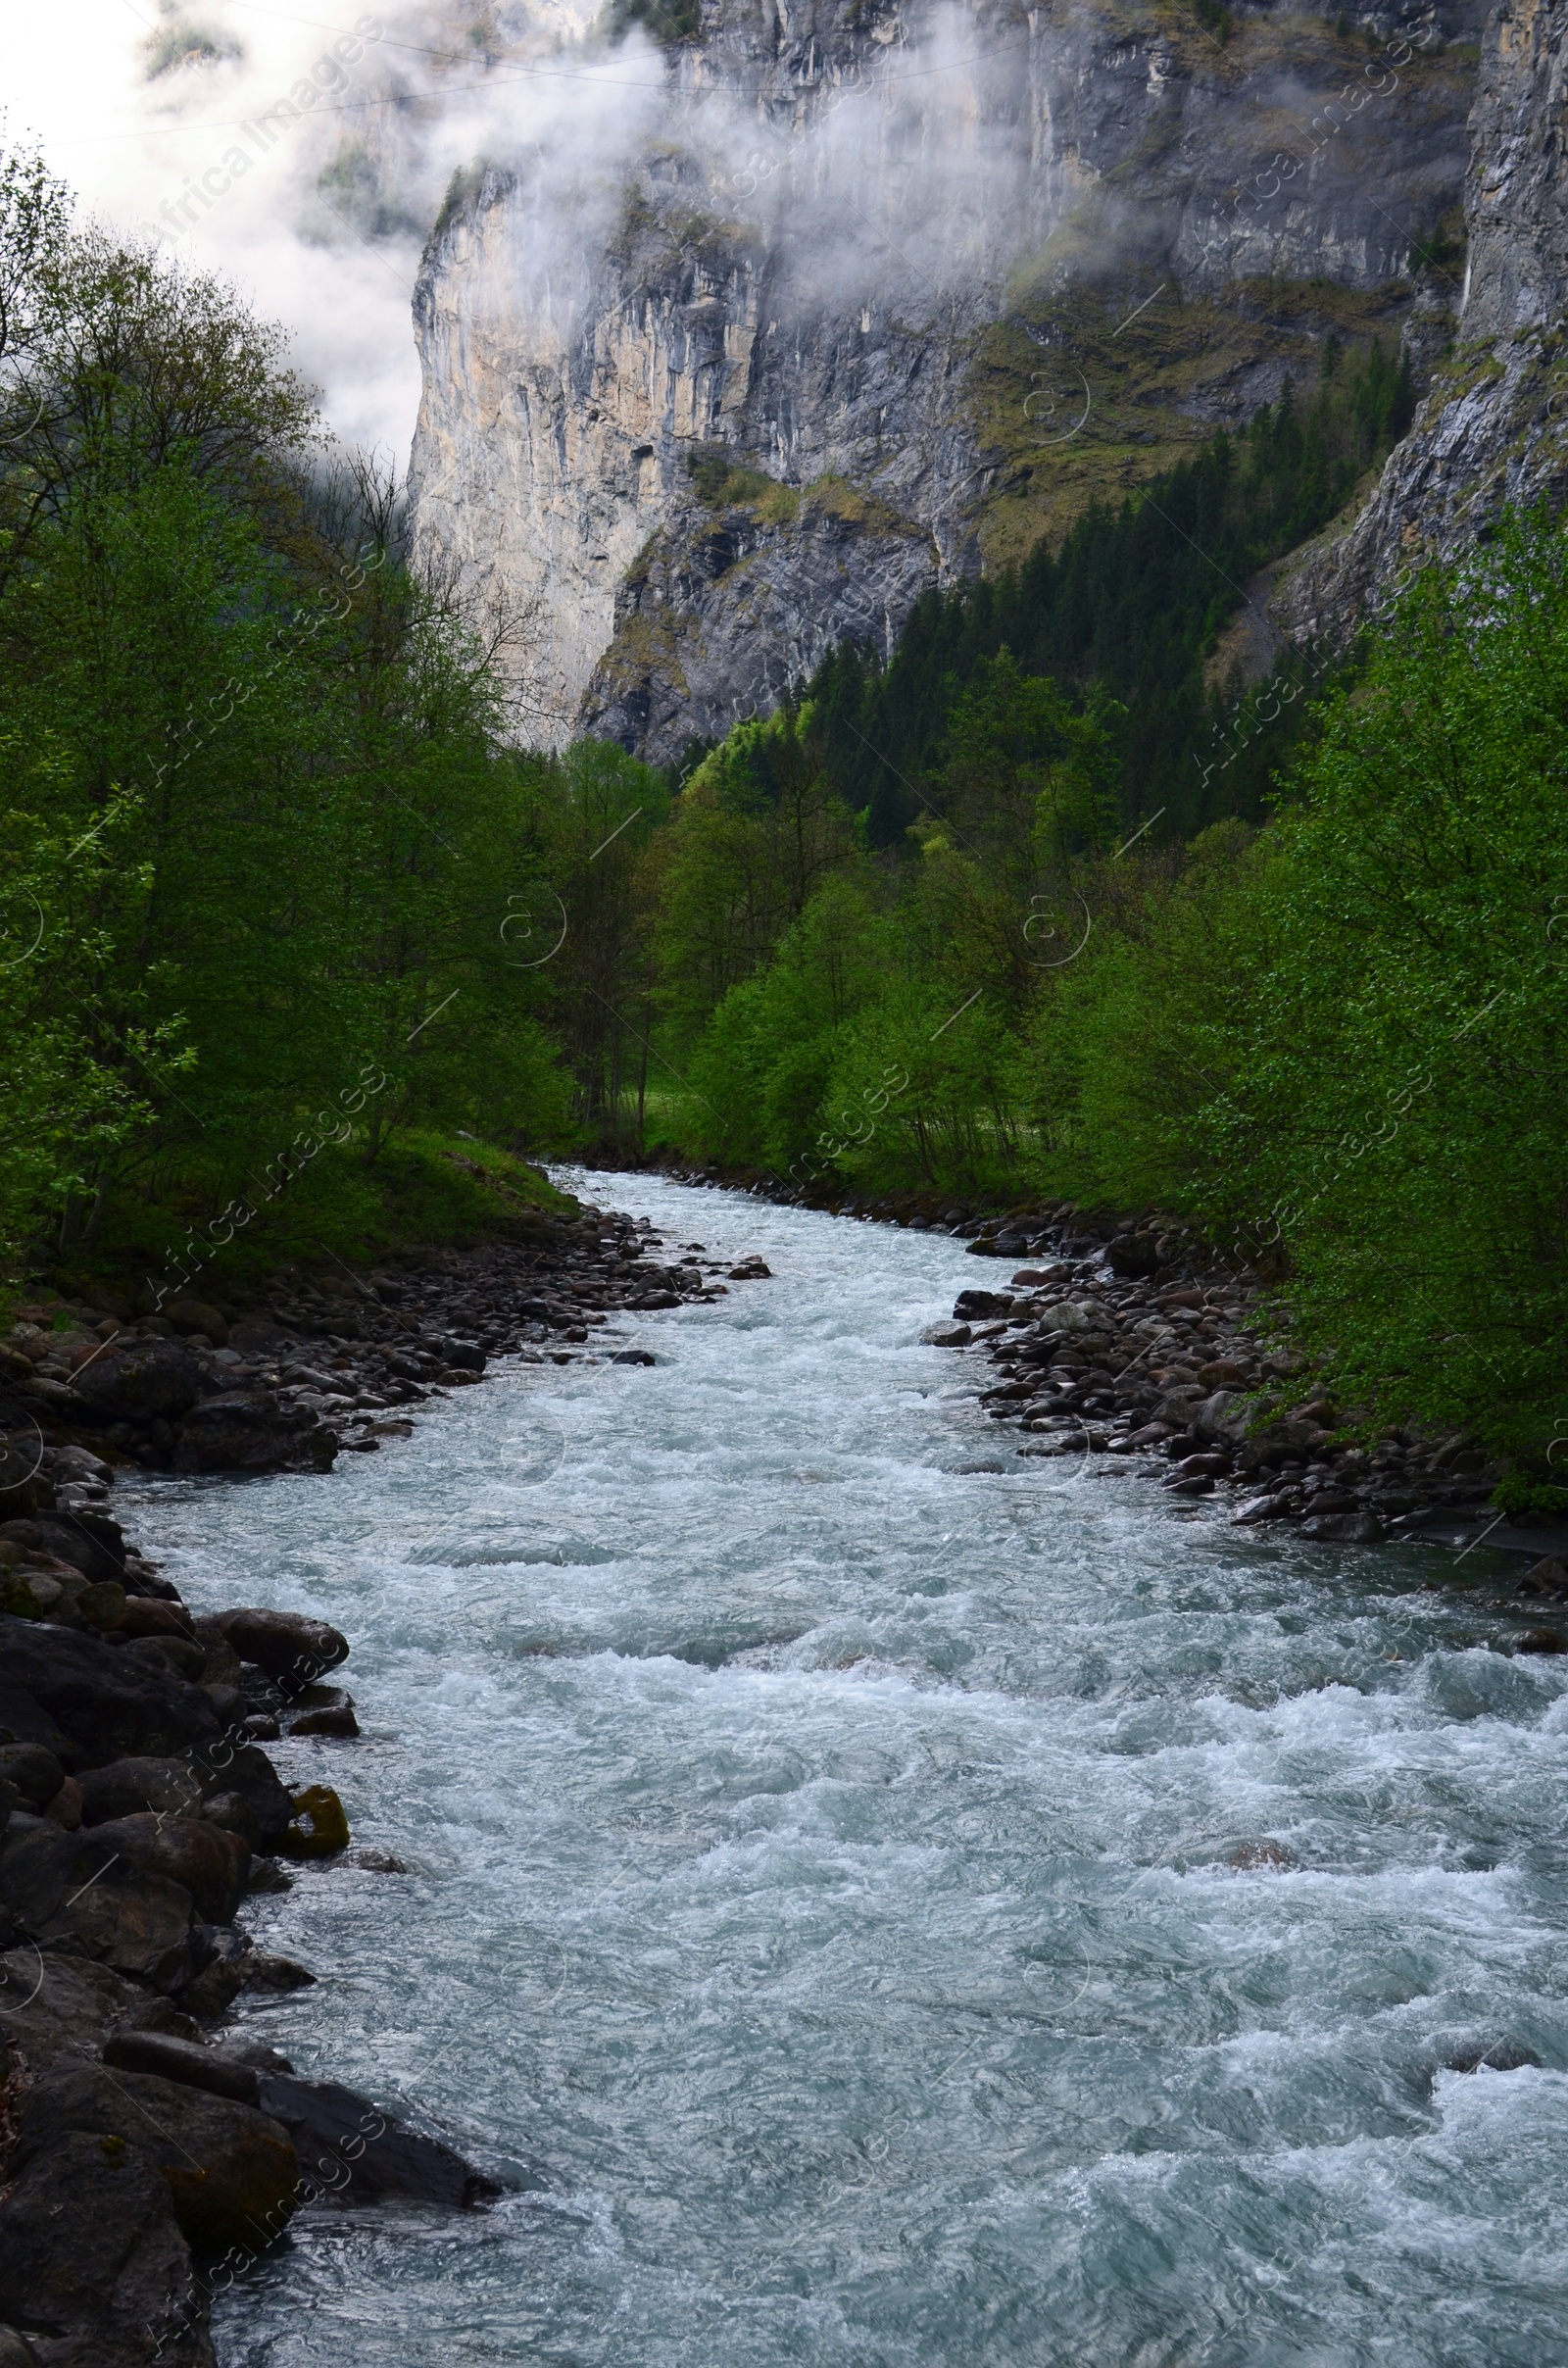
1495, 425
837, 300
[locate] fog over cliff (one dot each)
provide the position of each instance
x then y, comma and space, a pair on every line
737, 324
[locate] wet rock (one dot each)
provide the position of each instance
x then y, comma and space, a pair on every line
319, 1828
291, 1648
1540, 1640
104, 1705
324, 1710
1548, 1578
151, 1379
229, 2170
357, 2153
971, 1303
252, 1431
1491, 2056
1345, 1529
1271, 1507
947, 1336
275, 1973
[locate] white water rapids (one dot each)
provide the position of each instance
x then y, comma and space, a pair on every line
908, 1904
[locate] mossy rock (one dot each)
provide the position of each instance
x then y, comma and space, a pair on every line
320, 1826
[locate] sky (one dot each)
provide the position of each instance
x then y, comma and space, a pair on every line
305, 149
320, 215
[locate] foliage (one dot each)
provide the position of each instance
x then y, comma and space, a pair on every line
1130, 607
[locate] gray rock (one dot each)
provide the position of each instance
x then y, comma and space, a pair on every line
148, 1380
252, 1431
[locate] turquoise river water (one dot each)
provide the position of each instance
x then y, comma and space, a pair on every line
905, 1904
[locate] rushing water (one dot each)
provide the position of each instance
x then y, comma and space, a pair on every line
908, 1904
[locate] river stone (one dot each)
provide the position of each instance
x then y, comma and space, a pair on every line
947, 1336
981, 1303
355, 2152
251, 1431
91, 1543
206, 1860
152, 1380
1222, 1415
197, 1315
89, 2246
125, 1786
230, 2171
106, 1705
80, 1891
292, 1650
36, 1773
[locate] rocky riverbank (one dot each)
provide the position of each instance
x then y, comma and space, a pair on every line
1129, 1342
146, 2156
1133, 1339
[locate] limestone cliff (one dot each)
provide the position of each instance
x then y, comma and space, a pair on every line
872, 294
1495, 427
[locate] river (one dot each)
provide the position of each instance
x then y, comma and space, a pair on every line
905, 1904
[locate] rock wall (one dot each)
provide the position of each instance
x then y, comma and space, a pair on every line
1495, 427
707, 402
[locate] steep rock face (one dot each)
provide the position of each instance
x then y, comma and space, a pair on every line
697, 409
1495, 429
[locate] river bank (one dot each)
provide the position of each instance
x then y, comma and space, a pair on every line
145, 2041
899, 1898
147, 2160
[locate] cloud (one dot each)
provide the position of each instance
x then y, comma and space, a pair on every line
306, 151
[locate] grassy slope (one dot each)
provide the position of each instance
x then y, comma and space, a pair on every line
424, 1189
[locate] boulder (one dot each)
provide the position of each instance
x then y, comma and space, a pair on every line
79, 1891
1222, 1415
355, 2152
125, 1786
456, 1355
971, 1303
36, 1773
150, 1381
107, 1706
241, 1771
320, 1826
197, 1315
1133, 1253
229, 2171
251, 1431
145, 1616
91, 1543
292, 1650
1548, 1578
206, 1860
346, 2145
947, 1336
91, 2247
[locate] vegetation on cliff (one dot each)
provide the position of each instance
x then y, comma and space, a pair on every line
298, 946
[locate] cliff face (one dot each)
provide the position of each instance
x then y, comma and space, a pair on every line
1495, 427
866, 292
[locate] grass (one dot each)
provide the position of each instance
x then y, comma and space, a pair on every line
1113, 401
424, 1188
